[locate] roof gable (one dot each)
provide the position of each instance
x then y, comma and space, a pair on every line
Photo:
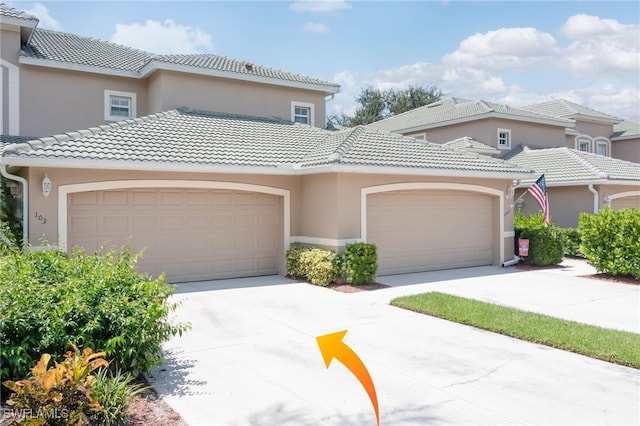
568, 109
204, 140
456, 110
627, 129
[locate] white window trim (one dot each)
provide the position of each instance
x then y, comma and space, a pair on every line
107, 104
311, 107
508, 132
602, 141
584, 139
420, 136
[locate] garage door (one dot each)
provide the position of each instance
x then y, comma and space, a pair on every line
625, 203
189, 234
429, 230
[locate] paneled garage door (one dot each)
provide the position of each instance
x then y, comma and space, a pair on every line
625, 203
429, 230
189, 234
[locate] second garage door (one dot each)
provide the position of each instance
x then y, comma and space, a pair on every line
188, 234
626, 203
429, 230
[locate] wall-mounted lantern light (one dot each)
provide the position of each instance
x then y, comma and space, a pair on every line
14, 188
46, 186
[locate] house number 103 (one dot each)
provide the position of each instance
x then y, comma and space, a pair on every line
41, 219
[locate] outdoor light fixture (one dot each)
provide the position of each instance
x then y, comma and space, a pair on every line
46, 186
14, 189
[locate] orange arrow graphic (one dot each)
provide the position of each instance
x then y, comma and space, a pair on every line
332, 346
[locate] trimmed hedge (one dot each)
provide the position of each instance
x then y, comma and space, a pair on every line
360, 263
572, 241
546, 243
611, 241
316, 265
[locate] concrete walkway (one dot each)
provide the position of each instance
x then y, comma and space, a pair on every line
252, 359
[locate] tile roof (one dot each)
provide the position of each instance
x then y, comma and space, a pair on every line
470, 144
66, 48
9, 139
202, 138
10, 12
452, 110
563, 165
568, 109
627, 129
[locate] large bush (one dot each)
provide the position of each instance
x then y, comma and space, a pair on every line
611, 241
316, 265
48, 299
572, 240
546, 243
360, 263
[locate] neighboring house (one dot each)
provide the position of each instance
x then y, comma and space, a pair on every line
578, 182
228, 196
625, 141
53, 82
560, 126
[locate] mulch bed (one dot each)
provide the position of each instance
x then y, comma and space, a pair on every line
350, 288
617, 279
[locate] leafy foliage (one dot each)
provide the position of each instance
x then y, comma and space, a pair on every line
48, 299
611, 241
318, 266
360, 263
546, 244
572, 240
114, 392
10, 224
62, 394
376, 104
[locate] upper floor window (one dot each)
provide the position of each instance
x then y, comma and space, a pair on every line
302, 112
504, 138
119, 105
602, 146
584, 146
420, 136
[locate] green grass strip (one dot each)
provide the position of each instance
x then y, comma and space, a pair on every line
619, 347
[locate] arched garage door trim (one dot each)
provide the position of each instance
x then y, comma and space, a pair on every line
364, 192
612, 197
65, 190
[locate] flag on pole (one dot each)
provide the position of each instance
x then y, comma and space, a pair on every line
539, 191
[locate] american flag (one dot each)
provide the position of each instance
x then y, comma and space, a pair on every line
539, 191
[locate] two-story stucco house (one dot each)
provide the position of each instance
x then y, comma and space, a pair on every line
215, 166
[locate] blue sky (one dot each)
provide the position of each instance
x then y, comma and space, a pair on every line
511, 52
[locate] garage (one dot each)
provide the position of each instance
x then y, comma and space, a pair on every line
626, 203
424, 230
190, 234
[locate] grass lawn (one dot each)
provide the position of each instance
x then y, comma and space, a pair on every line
620, 347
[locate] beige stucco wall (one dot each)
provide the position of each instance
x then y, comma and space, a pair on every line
628, 149
9, 43
565, 204
9, 50
325, 206
594, 130
631, 192
486, 131
57, 101
169, 90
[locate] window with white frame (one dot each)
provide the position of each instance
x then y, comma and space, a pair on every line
119, 105
302, 112
420, 136
602, 148
584, 145
504, 138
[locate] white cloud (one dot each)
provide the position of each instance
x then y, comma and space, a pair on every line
47, 21
166, 37
504, 48
324, 6
314, 27
601, 46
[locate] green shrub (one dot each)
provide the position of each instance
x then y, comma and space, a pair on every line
294, 267
611, 241
48, 299
535, 220
114, 392
572, 240
62, 394
546, 245
360, 263
319, 266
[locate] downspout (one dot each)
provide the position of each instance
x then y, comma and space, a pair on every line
595, 198
511, 262
25, 203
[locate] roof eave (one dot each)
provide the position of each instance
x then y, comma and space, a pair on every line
153, 66
26, 60
624, 138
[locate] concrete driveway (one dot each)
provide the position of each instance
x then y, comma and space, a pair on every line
252, 358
